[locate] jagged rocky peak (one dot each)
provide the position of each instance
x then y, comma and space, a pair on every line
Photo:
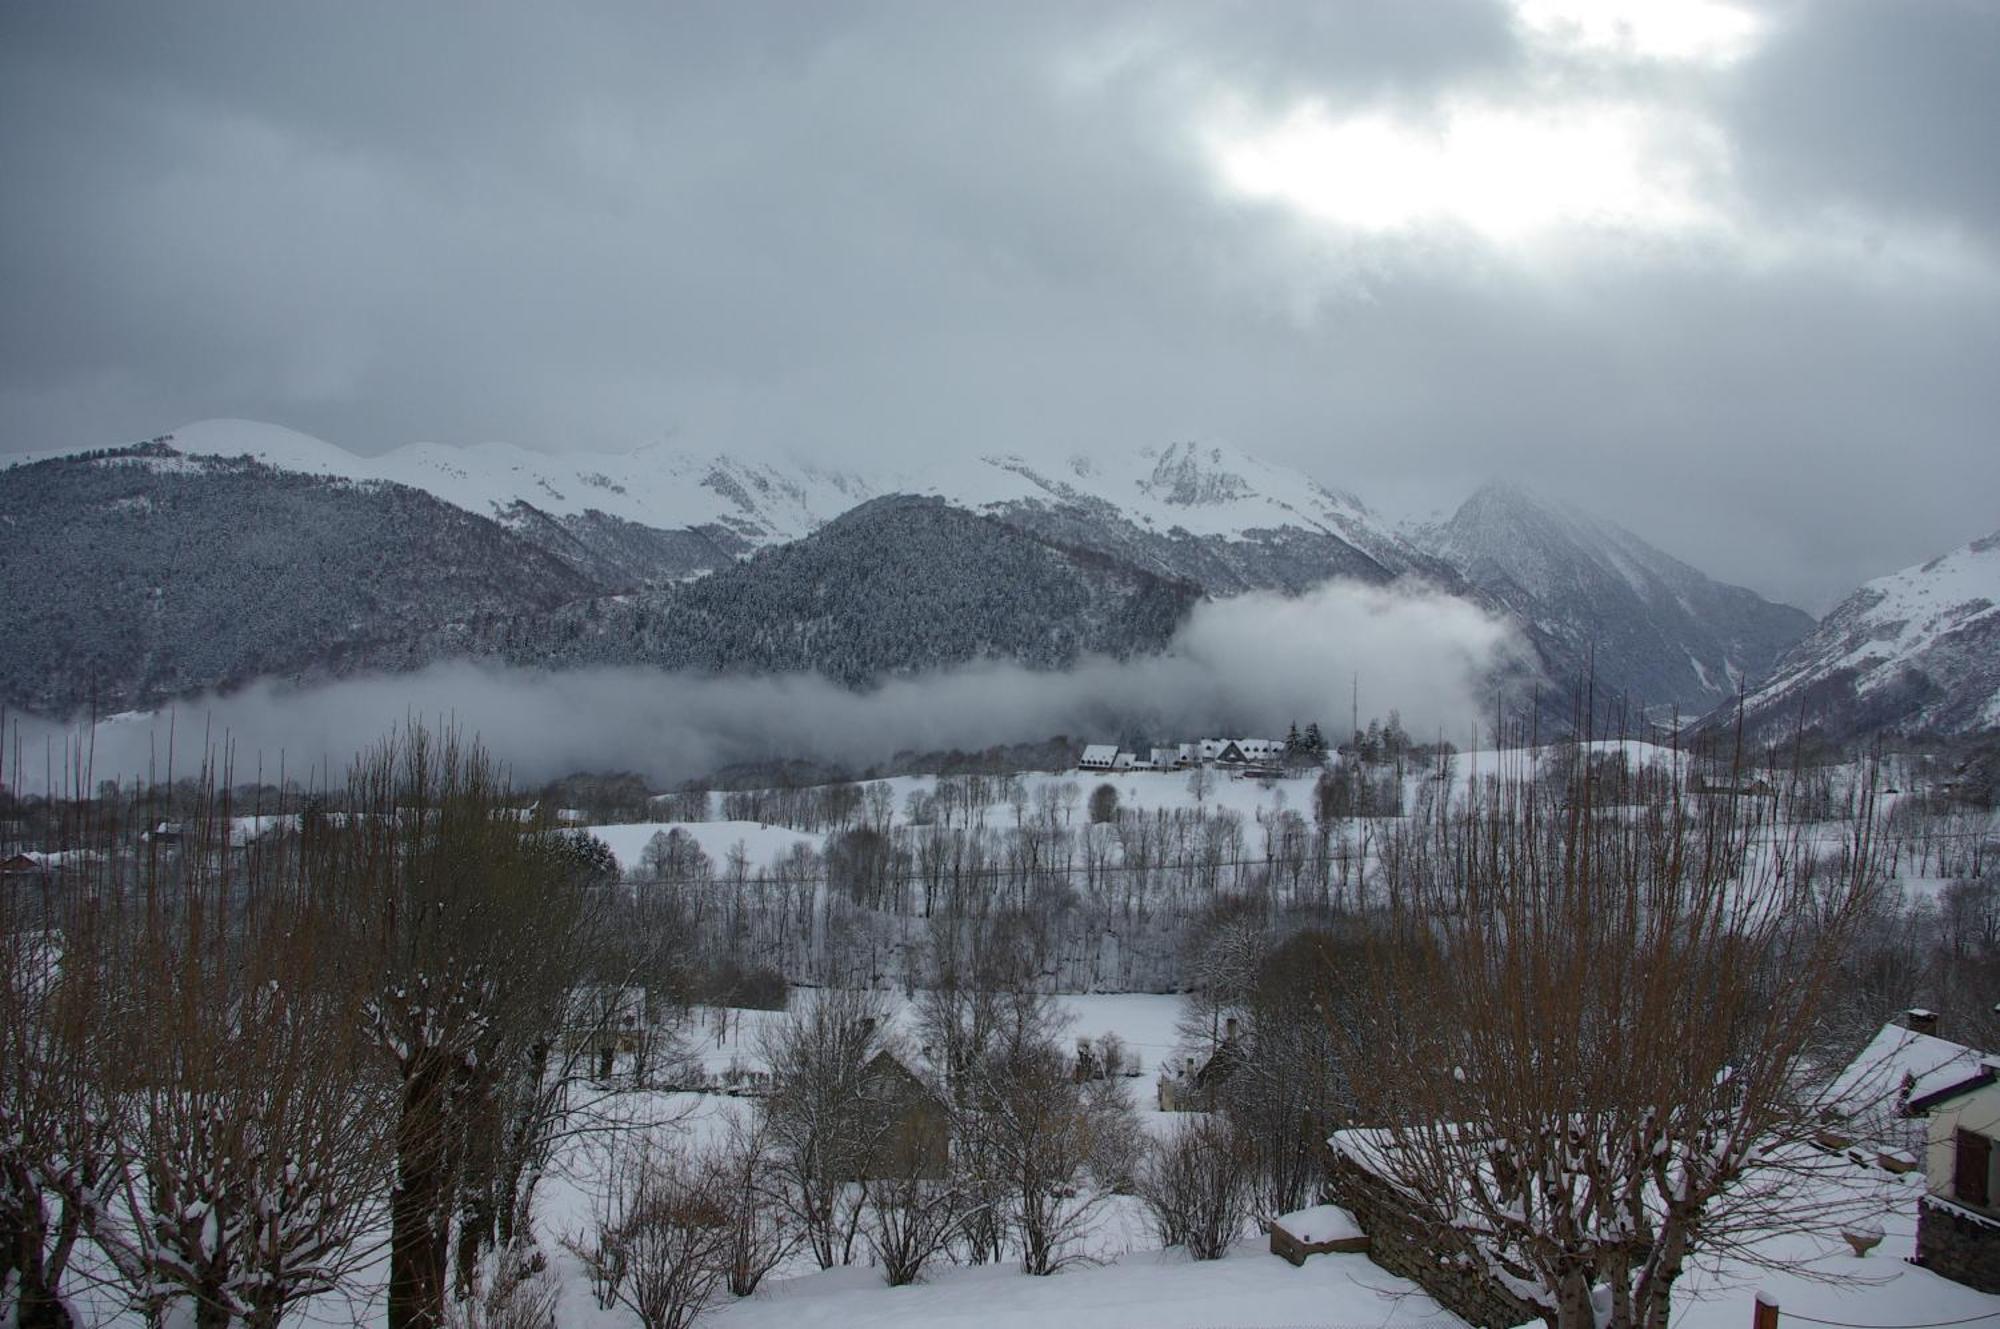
1187, 475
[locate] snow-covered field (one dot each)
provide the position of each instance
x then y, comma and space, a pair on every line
761, 842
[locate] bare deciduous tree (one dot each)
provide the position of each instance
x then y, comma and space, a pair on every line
1582, 1052
661, 1236
817, 1121
1197, 1184
258, 1120
61, 1142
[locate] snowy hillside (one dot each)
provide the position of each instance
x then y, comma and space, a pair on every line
138, 576
1204, 490
1916, 651
654, 486
1172, 506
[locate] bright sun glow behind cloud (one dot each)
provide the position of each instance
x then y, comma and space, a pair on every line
1564, 151
1501, 172
1695, 31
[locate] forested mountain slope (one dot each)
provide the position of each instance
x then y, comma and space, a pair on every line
140, 574
898, 585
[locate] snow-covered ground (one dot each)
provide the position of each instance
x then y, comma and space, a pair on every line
1147, 1289
1129, 1281
762, 843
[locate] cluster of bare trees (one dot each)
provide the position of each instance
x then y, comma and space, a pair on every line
980, 1143
1100, 904
1583, 1040
243, 1072
1584, 1025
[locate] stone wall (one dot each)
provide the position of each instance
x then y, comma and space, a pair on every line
1404, 1245
1958, 1245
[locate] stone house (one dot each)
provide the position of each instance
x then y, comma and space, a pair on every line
1958, 1218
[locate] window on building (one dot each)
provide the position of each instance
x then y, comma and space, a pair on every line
1972, 1156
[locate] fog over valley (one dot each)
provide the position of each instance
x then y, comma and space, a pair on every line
1254, 664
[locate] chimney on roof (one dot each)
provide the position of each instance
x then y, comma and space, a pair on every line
1229, 1030
1920, 1021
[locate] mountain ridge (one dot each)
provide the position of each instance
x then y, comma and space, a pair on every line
1605, 603
1914, 652
1208, 519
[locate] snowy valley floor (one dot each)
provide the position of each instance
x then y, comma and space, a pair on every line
1133, 1283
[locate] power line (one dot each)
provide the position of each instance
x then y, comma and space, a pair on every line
1849, 1324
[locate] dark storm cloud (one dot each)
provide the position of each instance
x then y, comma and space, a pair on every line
869, 233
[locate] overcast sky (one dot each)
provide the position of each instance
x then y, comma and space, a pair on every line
1728, 273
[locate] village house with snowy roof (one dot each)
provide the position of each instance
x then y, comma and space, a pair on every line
1098, 757
1231, 752
1919, 1100
1958, 1217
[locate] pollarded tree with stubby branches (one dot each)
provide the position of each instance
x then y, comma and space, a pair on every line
475, 928
1582, 1047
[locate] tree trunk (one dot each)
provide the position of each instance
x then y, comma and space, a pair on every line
211, 1308
417, 1210
1573, 1307
1656, 1289
37, 1307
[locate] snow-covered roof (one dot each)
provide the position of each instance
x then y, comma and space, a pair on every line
1100, 752
1901, 1068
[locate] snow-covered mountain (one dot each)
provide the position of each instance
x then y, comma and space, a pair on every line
1915, 652
1157, 499
141, 574
653, 515
631, 531
655, 486
1597, 599
1208, 514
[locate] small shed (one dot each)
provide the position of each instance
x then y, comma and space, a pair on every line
1324, 1229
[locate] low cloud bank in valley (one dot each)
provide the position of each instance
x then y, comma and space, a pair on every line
1247, 665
